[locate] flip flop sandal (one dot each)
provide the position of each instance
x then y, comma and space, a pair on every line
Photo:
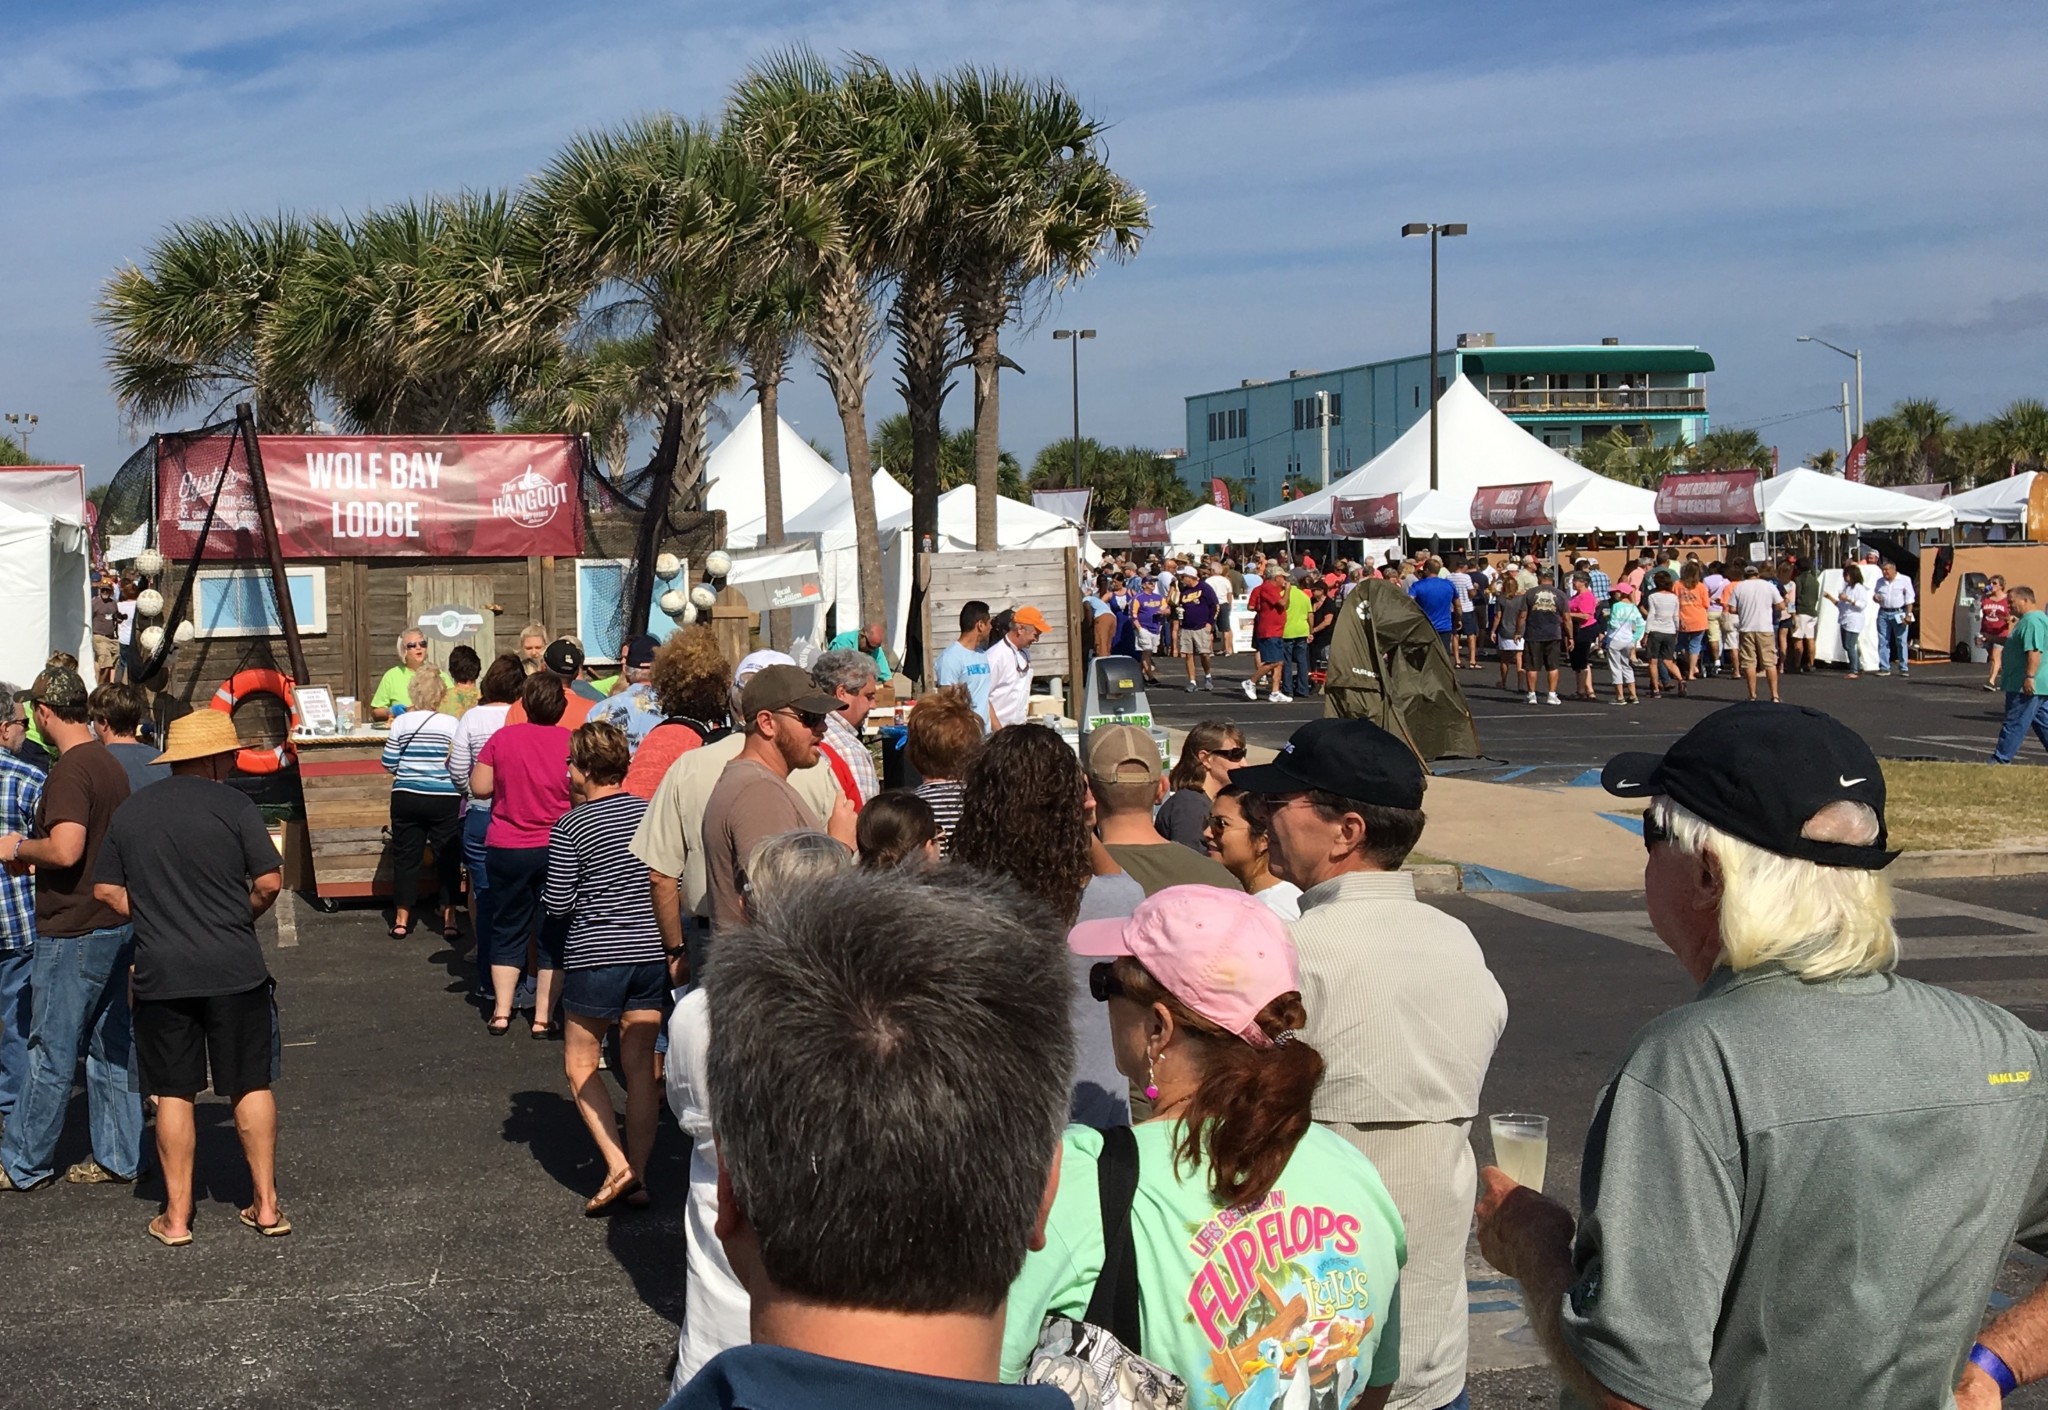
608, 1196
156, 1232
278, 1230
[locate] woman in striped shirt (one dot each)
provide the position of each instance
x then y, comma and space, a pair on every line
613, 966
425, 806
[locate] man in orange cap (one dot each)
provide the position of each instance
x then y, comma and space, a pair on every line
1009, 667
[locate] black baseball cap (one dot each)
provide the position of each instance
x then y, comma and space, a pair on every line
1353, 759
1760, 772
639, 651
563, 657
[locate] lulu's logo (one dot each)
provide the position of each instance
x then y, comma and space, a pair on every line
529, 499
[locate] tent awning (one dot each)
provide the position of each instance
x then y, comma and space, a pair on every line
1620, 359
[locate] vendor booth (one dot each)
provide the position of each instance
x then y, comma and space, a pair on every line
45, 580
1212, 526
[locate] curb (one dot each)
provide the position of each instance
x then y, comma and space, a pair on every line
1440, 878
1938, 865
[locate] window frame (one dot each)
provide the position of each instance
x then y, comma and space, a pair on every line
314, 624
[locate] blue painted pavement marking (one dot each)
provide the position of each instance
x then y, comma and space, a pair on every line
1513, 774
1481, 878
1632, 821
1589, 779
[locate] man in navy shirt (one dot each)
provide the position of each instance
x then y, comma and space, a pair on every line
1437, 596
936, 1012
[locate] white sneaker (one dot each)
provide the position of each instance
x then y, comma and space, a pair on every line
1276, 698
1532, 697
1251, 691
1551, 699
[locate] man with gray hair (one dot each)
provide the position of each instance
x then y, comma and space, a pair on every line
849, 677
1798, 1189
881, 1177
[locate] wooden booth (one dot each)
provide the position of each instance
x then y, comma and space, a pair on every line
379, 535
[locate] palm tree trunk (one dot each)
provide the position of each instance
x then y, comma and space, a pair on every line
845, 345
767, 374
654, 520
987, 445
922, 346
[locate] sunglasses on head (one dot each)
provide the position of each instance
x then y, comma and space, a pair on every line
1103, 983
1653, 830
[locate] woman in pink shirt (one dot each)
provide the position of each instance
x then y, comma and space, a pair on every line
524, 771
1582, 618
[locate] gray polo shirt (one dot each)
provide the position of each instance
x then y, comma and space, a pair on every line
1798, 1195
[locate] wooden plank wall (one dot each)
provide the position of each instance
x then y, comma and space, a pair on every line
1044, 578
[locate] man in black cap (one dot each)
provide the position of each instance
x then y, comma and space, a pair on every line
633, 707
1799, 1187
783, 717
1401, 1006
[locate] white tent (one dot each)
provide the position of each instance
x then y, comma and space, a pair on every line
828, 520
1477, 446
733, 478
45, 579
1018, 525
1813, 499
2000, 502
1210, 523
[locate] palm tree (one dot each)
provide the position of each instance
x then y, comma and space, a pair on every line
1038, 207
1729, 449
1824, 460
600, 390
2021, 434
813, 138
1907, 442
186, 326
1123, 479
892, 445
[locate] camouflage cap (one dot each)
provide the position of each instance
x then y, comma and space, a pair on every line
60, 687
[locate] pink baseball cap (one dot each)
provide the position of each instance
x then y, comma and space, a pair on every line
1224, 954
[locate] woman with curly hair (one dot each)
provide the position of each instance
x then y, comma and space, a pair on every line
1025, 815
691, 680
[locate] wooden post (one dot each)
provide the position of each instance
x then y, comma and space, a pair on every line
259, 486
1077, 623
733, 622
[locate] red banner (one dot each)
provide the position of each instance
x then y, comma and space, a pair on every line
1852, 468
1148, 526
379, 497
1507, 509
1715, 499
1219, 494
1365, 517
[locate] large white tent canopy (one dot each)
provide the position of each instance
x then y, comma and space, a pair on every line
1812, 499
45, 579
1478, 446
735, 483
1210, 523
2000, 502
1018, 525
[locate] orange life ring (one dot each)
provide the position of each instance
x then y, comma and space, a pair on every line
240, 686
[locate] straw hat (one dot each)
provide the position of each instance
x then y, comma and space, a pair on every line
199, 735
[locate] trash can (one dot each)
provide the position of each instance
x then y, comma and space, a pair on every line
1969, 620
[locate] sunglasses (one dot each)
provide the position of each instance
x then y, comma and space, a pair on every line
1103, 983
1653, 830
1236, 756
805, 718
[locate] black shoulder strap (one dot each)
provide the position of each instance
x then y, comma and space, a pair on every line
1114, 1307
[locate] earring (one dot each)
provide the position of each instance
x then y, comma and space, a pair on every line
1151, 1085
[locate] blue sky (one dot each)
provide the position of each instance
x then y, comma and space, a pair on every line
1727, 174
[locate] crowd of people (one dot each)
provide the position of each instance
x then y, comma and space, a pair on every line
1062, 1078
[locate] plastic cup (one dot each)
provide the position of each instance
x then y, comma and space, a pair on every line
1521, 1146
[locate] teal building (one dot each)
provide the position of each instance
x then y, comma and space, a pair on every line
1262, 433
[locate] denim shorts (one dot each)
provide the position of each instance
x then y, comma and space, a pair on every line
608, 990
1272, 650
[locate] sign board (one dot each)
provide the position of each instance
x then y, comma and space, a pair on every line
1070, 505
1365, 517
1509, 509
778, 579
1714, 499
1148, 526
378, 496
1219, 493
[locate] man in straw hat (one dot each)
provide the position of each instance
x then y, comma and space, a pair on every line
190, 862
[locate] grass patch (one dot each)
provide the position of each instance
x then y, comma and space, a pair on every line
1934, 807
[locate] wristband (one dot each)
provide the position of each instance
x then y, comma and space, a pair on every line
1993, 1365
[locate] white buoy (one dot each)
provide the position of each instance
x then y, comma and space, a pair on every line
152, 640
688, 615
718, 563
183, 633
149, 602
667, 566
672, 602
703, 596
149, 563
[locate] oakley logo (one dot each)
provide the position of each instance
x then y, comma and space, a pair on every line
1852, 782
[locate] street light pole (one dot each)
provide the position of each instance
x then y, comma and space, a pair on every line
1072, 337
24, 423
1432, 231
1857, 358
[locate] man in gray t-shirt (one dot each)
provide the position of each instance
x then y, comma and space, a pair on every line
1799, 1188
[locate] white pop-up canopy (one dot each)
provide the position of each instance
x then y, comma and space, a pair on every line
45, 580
1210, 523
734, 478
1812, 499
1018, 525
1478, 446
2000, 502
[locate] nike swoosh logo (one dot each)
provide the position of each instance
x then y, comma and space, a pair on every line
1852, 782
1624, 783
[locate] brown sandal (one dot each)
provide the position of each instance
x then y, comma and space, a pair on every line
615, 1188
156, 1231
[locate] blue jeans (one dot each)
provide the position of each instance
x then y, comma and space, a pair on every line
1297, 668
1891, 640
2022, 713
1852, 647
79, 998
1463, 1402
475, 823
14, 1016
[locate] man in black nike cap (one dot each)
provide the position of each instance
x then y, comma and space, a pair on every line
1799, 1187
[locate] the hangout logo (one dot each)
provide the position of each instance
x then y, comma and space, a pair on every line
529, 499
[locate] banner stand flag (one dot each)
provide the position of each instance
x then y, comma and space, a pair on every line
1365, 517
1219, 493
1148, 526
1511, 509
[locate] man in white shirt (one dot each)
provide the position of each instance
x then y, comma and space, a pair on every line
1219, 583
1009, 667
1756, 601
1894, 597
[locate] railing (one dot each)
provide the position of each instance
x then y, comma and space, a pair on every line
1603, 400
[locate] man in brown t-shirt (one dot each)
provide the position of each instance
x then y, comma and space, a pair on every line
783, 716
79, 984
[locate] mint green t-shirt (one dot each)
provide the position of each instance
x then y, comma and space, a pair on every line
2029, 633
1239, 1303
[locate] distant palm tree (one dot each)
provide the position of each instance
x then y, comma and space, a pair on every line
186, 326
1729, 449
1908, 442
1824, 461
2020, 433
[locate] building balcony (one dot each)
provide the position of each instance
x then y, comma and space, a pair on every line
1601, 401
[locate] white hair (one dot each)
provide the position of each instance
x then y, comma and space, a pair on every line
1819, 922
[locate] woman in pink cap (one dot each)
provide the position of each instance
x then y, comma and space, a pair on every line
1264, 1250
